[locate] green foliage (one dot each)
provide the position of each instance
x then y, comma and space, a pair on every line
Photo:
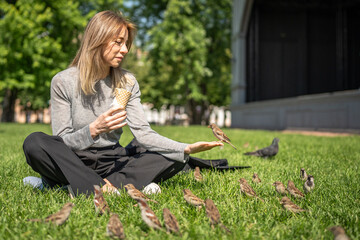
189, 51
333, 161
38, 39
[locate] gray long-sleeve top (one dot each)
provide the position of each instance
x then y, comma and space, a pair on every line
72, 112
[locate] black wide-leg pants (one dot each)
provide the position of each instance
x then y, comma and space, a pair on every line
59, 165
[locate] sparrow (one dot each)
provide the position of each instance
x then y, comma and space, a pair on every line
339, 233
303, 175
247, 189
246, 145
197, 174
170, 221
293, 190
280, 188
309, 185
114, 227
148, 215
255, 178
100, 203
269, 151
59, 217
219, 134
136, 194
213, 214
192, 199
289, 205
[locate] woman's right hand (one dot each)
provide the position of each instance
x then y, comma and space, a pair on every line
108, 121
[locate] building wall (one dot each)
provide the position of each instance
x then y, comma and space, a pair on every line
331, 111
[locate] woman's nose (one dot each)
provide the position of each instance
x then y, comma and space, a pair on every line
124, 49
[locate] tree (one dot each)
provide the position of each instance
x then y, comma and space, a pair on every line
38, 39
189, 51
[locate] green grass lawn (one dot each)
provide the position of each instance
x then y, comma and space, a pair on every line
333, 161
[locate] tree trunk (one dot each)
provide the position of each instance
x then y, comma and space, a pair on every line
8, 106
197, 113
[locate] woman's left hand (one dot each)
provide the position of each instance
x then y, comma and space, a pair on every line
201, 146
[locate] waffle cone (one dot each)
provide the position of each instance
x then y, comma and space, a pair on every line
122, 96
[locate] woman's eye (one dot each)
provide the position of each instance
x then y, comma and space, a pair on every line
118, 42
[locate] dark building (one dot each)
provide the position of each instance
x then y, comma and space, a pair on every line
296, 64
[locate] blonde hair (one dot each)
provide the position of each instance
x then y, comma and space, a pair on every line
104, 27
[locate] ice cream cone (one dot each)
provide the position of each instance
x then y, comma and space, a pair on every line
122, 96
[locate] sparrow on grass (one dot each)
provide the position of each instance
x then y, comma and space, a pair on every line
255, 178
192, 199
114, 227
303, 175
59, 217
247, 189
197, 174
136, 194
101, 206
214, 215
295, 192
339, 233
290, 206
219, 134
170, 221
309, 185
280, 188
269, 151
148, 216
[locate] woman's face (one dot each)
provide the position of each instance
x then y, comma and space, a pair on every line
116, 50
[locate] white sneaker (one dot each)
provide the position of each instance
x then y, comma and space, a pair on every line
35, 182
152, 188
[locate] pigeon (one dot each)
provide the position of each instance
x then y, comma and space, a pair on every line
293, 190
197, 174
59, 217
170, 221
100, 203
115, 228
309, 185
339, 233
269, 151
219, 134
136, 194
214, 215
280, 188
247, 189
255, 178
148, 215
192, 199
290, 206
303, 175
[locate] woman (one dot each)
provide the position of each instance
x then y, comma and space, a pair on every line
85, 149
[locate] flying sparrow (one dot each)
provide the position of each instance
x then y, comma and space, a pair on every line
197, 174
100, 203
192, 199
59, 217
269, 151
280, 188
136, 194
303, 175
148, 215
170, 221
293, 190
309, 185
115, 228
289, 205
339, 233
219, 134
255, 178
247, 189
213, 214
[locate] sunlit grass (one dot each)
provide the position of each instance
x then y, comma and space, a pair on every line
333, 161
